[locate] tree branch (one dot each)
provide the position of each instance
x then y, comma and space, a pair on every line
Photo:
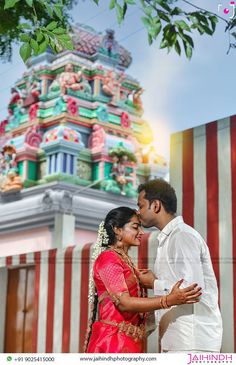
201, 9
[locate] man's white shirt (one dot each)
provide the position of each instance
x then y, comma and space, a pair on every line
183, 254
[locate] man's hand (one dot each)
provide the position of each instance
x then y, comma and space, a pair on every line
147, 278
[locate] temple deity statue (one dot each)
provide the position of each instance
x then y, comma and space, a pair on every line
97, 138
120, 172
70, 79
137, 99
13, 181
111, 85
15, 97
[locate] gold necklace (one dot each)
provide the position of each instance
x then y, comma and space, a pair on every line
129, 262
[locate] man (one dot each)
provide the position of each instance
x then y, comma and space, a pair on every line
181, 253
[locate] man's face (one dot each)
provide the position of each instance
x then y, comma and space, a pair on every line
146, 211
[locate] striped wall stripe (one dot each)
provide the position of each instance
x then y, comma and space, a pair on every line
200, 194
176, 157
225, 234
187, 173
61, 294
75, 300
37, 256
151, 247
212, 196
233, 206
84, 294
58, 304
67, 299
50, 300
42, 302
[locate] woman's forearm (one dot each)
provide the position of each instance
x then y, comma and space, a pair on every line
142, 305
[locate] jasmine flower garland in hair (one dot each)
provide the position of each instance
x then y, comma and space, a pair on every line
102, 240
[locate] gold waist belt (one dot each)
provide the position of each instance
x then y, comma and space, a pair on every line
136, 332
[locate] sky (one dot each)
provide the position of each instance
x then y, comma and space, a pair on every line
179, 94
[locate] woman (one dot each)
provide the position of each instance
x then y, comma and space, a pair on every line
121, 298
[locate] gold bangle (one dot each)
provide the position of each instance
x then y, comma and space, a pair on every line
164, 302
161, 302
168, 306
165, 305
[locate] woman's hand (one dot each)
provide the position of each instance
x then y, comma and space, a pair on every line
147, 278
187, 295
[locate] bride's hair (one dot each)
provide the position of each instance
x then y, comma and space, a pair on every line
117, 217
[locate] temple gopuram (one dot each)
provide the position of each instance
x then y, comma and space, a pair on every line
73, 146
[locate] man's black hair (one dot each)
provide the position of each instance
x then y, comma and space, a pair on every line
160, 189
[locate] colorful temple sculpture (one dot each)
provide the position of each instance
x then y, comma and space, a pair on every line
73, 146
77, 117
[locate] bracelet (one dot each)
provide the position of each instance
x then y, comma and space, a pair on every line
163, 302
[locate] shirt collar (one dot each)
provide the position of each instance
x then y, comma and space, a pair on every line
168, 229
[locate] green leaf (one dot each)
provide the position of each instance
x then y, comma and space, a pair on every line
188, 50
29, 2
147, 10
177, 48
51, 25
189, 40
200, 29
66, 44
207, 30
112, 4
130, 2
176, 11
64, 37
58, 11
202, 18
164, 5
183, 25
10, 4
120, 15
34, 45
170, 34
49, 9
150, 39
96, 1
59, 30
214, 21
39, 36
43, 47
156, 30
54, 46
24, 37
25, 51
124, 9
163, 16
163, 44
24, 25
146, 21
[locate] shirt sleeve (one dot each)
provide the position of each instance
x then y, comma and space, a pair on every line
111, 273
185, 259
162, 287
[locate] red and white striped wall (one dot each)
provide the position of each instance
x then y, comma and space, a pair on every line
61, 295
203, 173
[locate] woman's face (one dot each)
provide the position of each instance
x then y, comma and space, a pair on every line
132, 232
